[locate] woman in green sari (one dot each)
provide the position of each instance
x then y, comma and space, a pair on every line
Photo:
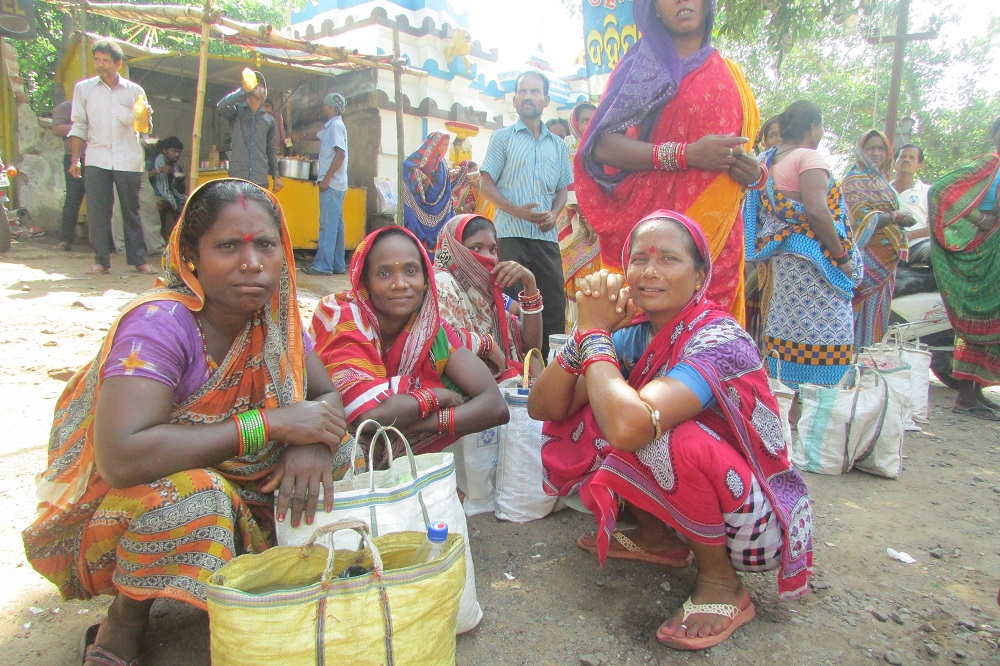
965, 247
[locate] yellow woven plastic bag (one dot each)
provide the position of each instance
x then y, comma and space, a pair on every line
288, 606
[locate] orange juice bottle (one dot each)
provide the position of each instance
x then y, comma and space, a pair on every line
140, 111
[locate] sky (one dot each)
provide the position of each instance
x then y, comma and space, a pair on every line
534, 22
547, 22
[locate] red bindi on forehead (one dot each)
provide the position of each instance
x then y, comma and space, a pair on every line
248, 238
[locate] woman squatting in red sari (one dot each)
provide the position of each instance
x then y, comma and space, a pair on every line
686, 433
669, 133
392, 356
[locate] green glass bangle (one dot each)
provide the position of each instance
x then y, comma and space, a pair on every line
252, 429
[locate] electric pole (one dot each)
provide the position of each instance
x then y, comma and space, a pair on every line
899, 41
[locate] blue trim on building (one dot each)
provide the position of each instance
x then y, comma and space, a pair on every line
323, 6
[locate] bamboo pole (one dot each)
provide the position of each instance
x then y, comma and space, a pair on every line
84, 64
199, 100
8, 144
397, 85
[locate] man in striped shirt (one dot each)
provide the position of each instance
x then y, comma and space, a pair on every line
103, 115
525, 175
252, 134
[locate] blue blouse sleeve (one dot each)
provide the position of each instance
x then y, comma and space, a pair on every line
691, 378
989, 202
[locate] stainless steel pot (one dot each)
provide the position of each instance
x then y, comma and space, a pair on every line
290, 167
314, 170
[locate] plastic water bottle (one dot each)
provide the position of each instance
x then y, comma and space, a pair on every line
433, 547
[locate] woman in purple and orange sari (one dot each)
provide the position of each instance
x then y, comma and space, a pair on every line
873, 206
166, 450
964, 217
686, 433
670, 133
391, 355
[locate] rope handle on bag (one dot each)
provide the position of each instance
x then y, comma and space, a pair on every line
526, 377
355, 525
356, 444
777, 366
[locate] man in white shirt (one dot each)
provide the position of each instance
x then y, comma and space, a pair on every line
103, 113
332, 182
912, 192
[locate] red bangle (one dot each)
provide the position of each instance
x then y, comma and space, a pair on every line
839, 256
682, 162
580, 335
451, 420
267, 430
761, 180
422, 407
598, 358
656, 157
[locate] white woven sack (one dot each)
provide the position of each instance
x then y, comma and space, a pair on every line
412, 492
916, 354
838, 421
785, 396
520, 497
476, 457
886, 358
884, 457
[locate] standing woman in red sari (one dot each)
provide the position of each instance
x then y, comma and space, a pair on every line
669, 133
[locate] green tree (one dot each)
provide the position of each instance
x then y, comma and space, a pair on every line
39, 58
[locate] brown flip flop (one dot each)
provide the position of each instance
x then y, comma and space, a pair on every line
677, 559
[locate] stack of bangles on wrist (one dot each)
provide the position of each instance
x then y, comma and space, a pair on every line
584, 349
841, 258
252, 428
761, 180
531, 305
486, 344
446, 421
427, 401
669, 156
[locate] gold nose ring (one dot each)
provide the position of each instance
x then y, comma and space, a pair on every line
260, 268
243, 267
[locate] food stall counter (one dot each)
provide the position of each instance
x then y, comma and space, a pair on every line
299, 200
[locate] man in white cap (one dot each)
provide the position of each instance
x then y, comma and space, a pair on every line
252, 131
332, 182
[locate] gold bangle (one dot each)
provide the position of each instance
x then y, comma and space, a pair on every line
654, 417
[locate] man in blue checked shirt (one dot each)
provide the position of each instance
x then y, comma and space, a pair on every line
525, 175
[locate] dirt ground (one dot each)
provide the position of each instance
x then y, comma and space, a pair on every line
560, 607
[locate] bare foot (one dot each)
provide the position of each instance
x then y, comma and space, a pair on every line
706, 591
122, 633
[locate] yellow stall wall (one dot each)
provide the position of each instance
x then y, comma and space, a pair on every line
299, 200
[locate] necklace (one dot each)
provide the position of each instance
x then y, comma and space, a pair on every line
212, 365
785, 150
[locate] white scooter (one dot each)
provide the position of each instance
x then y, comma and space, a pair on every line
917, 304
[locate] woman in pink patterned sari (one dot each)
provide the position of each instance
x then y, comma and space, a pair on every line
686, 433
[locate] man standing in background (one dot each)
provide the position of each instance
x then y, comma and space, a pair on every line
252, 135
62, 123
912, 192
103, 115
525, 174
332, 182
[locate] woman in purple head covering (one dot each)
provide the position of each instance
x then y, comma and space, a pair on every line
670, 132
